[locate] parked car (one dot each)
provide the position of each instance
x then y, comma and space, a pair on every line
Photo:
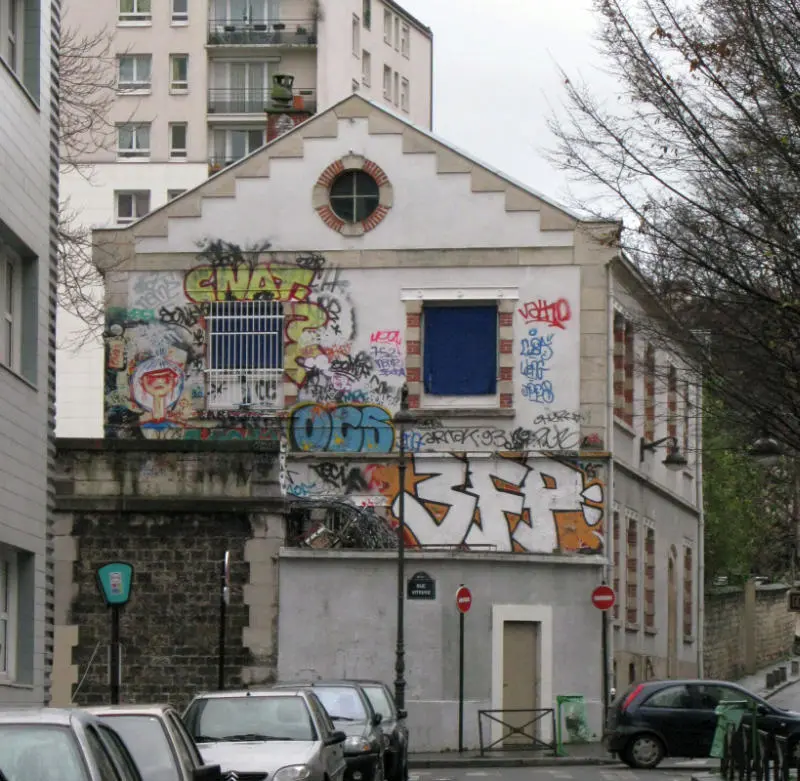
252, 735
350, 710
53, 744
677, 718
159, 742
393, 726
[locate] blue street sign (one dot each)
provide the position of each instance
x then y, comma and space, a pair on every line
115, 581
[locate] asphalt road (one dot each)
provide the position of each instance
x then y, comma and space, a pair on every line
789, 698
670, 772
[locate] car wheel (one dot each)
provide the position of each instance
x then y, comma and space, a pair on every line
644, 752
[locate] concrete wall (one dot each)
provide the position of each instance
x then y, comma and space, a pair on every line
338, 619
746, 629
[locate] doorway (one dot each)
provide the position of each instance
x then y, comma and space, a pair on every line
672, 619
521, 674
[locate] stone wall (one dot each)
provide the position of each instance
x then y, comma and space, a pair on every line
746, 629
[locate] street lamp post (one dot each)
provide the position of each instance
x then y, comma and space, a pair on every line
401, 419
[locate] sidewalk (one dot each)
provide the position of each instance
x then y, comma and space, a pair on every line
585, 754
757, 683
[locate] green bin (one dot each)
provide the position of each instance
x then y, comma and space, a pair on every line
729, 714
571, 713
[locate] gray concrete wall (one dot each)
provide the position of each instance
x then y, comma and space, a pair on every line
338, 618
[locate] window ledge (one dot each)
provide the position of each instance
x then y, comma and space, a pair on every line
464, 412
14, 75
651, 631
21, 378
134, 23
133, 160
626, 427
134, 91
688, 639
178, 90
179, 23
631, 627
8, 683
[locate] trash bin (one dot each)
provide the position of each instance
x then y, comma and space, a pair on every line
729, 714
571, 719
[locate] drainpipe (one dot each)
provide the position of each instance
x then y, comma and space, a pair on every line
609, 440
701, 530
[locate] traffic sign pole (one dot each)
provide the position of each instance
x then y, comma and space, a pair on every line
463, 604
603, 598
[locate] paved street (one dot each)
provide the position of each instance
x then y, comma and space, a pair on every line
789, 698
671, 772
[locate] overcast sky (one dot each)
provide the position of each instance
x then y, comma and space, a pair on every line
496, 77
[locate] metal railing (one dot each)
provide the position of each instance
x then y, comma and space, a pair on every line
263, 32
519, 736
751, 754
227, 100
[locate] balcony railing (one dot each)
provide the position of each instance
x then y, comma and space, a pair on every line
224, 100
238, 32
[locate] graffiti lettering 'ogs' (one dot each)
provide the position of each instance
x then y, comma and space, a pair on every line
345, 428
207, 284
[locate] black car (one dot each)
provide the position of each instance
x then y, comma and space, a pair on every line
393, 725
677, 718
351, 712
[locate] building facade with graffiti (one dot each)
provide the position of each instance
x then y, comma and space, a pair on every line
291, 298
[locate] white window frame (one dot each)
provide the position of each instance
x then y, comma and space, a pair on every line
366, 12
356, 36
387, 83
405, 95
137, 151
176, 152
180, 17
228, 136
142, 13
12, 33
134, 195
397, 33
141, 62
10, 309
405, 41
387, 26
366, 68
9, 614
178, 85
396, 89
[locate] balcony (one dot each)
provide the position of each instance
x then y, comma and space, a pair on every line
225, 100
287, 32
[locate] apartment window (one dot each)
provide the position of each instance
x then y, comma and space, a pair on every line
672, 403
240, 87
9, 578
180, 10
245, 354
354, 196
616, 573
649, 393
233, 144
460, 350
366, 12
624, 361
356, 36
687, 416
11, 30
366, 68
688, 594
355, 85
397, 33
387, 26
177, 140
650, 579
632, 581
134, 11
133, 141
387, 82
131, 205
173, 194
135, 71
405, 41
396, 90
405, 98
11, 291
179, 72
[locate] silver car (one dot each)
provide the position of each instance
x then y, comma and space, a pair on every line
51, 744
285, 735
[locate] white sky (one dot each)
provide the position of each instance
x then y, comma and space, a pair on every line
496, 77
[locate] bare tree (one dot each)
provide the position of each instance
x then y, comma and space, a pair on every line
700, 157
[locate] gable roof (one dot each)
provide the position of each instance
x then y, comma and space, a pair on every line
450, 159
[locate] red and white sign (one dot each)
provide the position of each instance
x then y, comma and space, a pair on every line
463, 599
603, 597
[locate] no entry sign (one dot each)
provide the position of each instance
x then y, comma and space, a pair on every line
463, 599
603, 597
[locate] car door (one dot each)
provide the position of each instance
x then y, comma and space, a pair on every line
670, 713
767, 717
106, 764
332, 753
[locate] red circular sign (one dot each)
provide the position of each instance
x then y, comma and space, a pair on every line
463, 599
603, 597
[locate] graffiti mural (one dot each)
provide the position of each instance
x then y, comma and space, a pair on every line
342, 428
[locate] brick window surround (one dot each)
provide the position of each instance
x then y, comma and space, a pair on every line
632, 575
687, 416
650, 393
623, 368
672, 403
616, 567
320, 199
688, 594
505, 363
650, 579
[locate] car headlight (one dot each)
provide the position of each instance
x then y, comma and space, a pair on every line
292, 773
356, 745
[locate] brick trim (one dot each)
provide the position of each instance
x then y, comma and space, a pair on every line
321, 203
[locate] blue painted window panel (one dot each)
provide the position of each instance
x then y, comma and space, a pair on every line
460, 350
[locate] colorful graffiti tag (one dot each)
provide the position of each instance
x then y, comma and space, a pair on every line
343, 428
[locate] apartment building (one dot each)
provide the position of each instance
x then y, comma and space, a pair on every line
28, 221
194, 79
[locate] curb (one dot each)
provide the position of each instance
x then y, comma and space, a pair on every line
784, 685
451, 760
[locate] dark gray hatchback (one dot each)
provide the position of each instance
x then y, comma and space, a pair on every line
677, 718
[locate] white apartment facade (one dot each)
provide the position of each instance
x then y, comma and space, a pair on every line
194, 79
28, 215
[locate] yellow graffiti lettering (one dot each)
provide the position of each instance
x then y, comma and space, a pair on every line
233, 283
240, 283
303, 317
292, 284
199, 285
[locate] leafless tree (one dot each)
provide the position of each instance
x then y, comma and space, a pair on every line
700, 156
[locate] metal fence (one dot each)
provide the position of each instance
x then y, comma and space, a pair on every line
519, 728
262, 32
251, 100
752, 754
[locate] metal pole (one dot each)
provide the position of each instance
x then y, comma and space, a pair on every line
223, 604
604, 643
115, 660
400, 652
460, 681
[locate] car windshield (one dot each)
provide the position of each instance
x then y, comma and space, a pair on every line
148, 744
250, 719
35, 752
379, 701
341, 702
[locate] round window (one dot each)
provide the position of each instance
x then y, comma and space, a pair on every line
354, 196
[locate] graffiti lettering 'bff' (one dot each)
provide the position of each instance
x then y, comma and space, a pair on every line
345, 428
207, 284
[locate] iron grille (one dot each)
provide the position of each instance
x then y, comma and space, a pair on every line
245, 355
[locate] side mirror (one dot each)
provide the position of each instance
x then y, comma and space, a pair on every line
402, 714
337, 737
207, 773
377, 719
762, 710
